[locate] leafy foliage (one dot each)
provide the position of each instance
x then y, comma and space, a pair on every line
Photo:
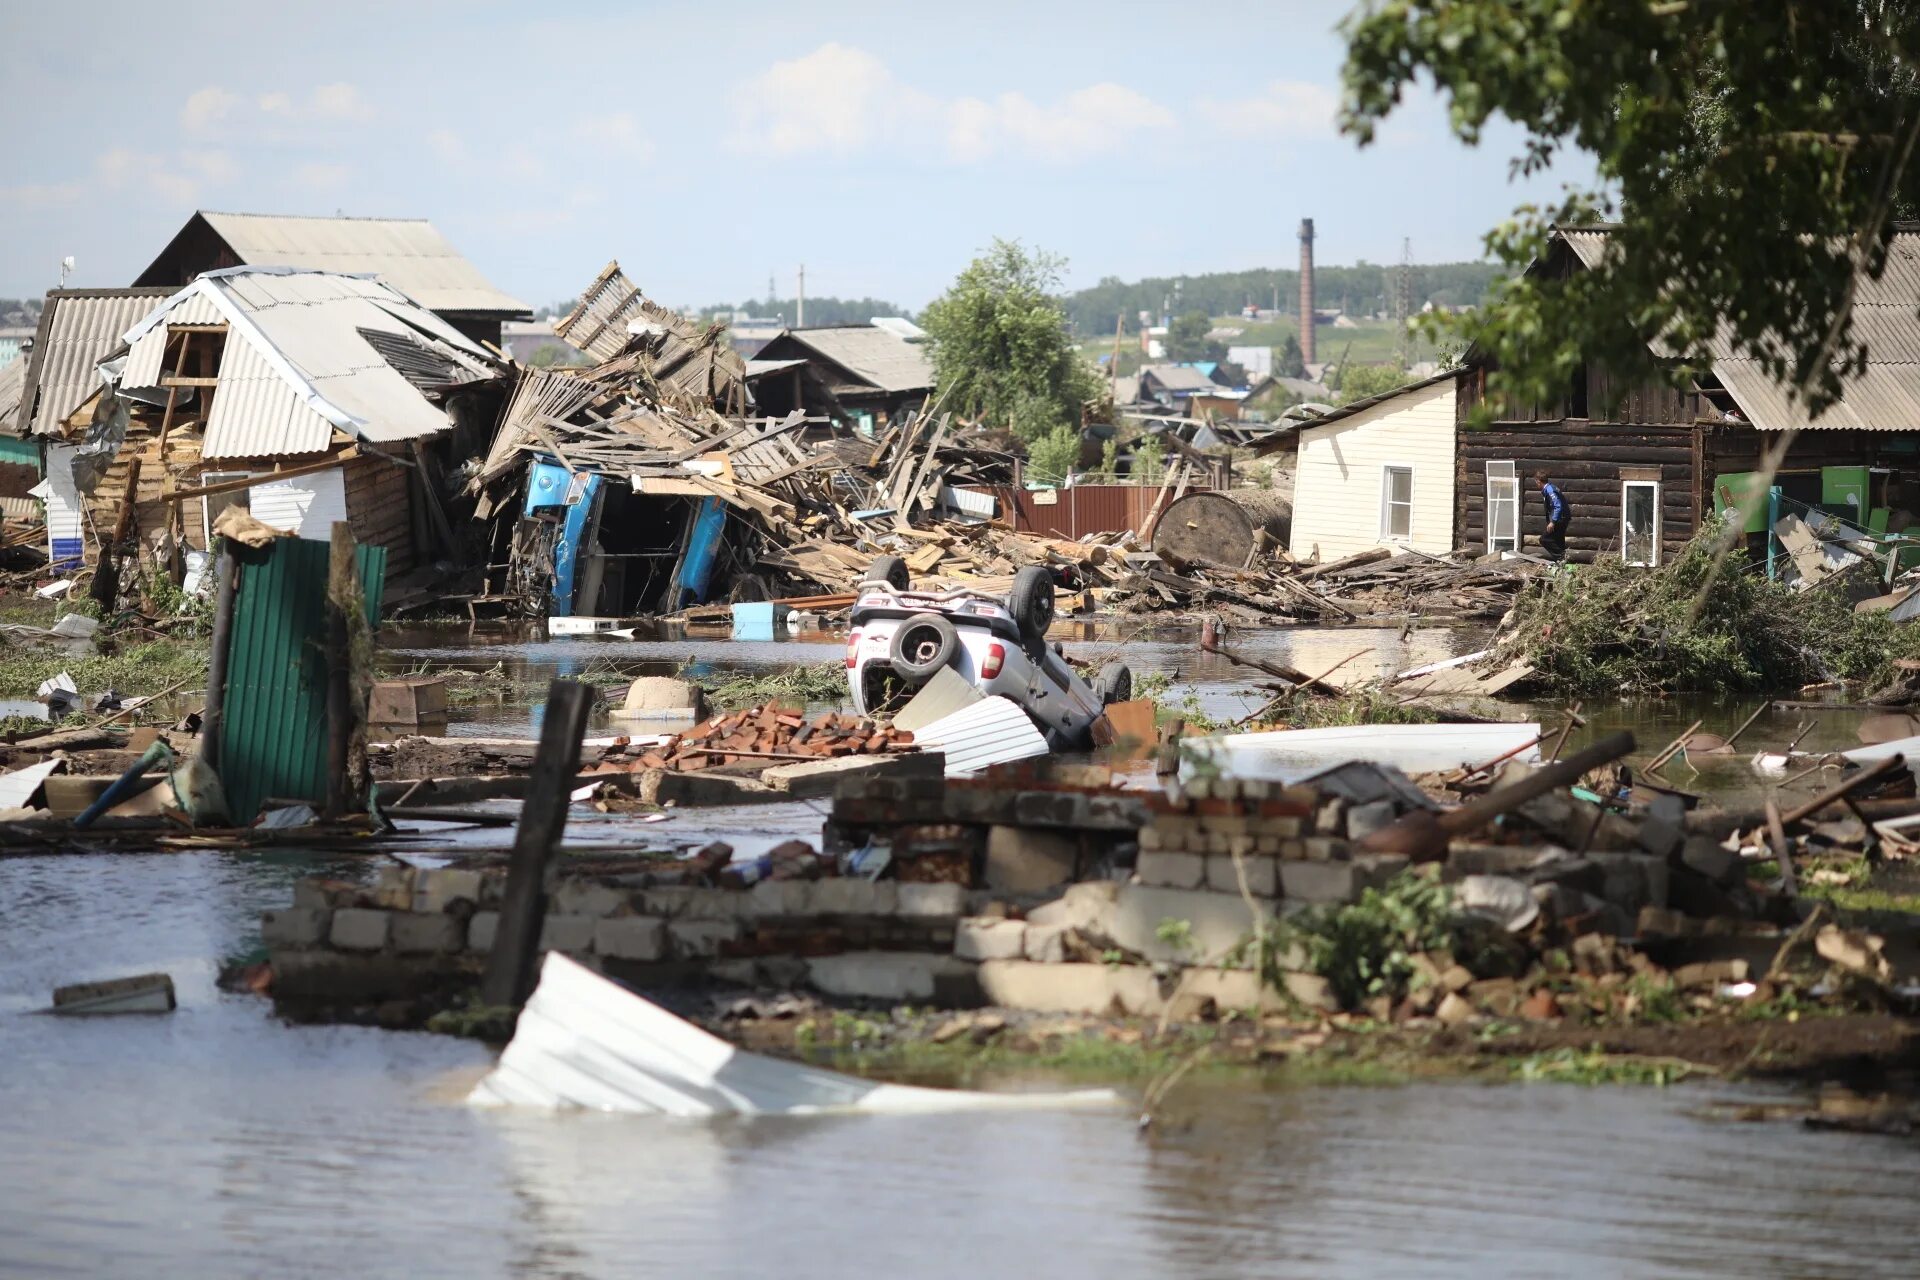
1187, 338
1607, 627
1752, 153
1359, 381
1289, 361
1366, 948
999, 342
1051, 457
1149, 461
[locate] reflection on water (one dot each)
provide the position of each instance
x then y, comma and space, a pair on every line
217, 1142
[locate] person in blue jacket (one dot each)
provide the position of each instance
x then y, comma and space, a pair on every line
1553, 541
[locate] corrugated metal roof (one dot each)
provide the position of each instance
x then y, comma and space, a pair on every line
78, 329
408, 253
298, 363
1885, 396
991, 731
13, 380
875, 356
1178, 377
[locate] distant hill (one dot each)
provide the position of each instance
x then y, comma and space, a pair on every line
1360, 289
819, 310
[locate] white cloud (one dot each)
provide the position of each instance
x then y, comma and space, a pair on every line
339, 101
206, 106
841, 100
211, 166
276, 104
617, 134
321, 175
144, 172
1285, 109
42, 195
448, 147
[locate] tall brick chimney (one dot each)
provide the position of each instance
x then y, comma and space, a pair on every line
1306, 290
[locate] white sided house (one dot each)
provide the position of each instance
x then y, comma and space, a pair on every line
1378, 472
305, 396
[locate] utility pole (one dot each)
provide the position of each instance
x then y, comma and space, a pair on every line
800, 302
1403, 304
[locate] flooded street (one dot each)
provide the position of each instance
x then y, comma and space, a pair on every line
218, 1142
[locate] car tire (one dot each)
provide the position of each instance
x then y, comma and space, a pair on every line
1115, 684
1031, 603
891, 570
921, 646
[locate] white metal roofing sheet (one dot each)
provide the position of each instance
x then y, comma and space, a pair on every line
13, 380
408, 253
991, 731
257, 413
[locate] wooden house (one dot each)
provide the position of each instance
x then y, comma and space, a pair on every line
307, 396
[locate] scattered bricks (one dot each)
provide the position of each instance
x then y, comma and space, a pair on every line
393, 888
1453, 1010
922, 901
1456, 977
700, 939
630, 938
1023, 860
1365, 819
1331, 818
1540, 1007
976, 938
1311, 990
1263, 877
480, 930
1593, 954
1710, 973
855, 897
1325, 847
771, 899
1713, 860
579, 896
1171, 870
427, 933
295, 926
1046, 944
1663, 922
570, 934
1308, 881
1378, 869
358, 929
436, 890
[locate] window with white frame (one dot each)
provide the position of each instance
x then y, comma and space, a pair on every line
1503, 507
1640, 521
1396, 503
212, 504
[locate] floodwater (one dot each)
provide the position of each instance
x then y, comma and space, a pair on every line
217, 1142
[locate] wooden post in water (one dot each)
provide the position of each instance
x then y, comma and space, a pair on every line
543, 817
340, 589
226, 573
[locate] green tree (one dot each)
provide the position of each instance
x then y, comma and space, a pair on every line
1149, 461
1288, 361
999, 341
1752, 154
1052, 457
1187, 338
1359, 381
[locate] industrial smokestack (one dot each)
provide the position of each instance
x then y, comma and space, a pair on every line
1306, 290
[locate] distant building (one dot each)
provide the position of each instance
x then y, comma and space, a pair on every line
1257, 361
872, 374
14, 338
521, 339
408, 254
1172, 385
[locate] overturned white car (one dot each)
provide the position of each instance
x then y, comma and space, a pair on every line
901, 637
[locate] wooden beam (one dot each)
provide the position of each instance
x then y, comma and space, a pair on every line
196, 328
267, 477
176, 380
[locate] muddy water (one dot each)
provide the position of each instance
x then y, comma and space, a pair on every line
216, 1142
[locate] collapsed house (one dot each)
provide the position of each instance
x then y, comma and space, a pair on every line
866, 375
308, 397
409, 254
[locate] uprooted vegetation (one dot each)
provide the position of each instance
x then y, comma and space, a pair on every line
1696, 625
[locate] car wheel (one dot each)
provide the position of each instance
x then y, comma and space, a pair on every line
891, 570
923, 644
1031, 603
1115, 684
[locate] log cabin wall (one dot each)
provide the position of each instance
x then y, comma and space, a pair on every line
380, 509
1656, 438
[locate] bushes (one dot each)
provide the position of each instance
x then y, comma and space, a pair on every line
1608, 627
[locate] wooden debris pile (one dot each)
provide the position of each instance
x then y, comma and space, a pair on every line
774, 733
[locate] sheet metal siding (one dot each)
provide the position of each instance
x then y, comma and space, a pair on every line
65, 521
276, 708
146, 361
80, 333
991, 731
256, 413
305, 505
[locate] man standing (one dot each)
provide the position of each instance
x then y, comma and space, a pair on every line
1553, 541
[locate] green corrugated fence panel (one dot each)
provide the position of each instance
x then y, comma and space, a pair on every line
26, 452
275, 738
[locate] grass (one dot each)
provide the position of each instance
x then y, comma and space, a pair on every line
134, 670
802, 684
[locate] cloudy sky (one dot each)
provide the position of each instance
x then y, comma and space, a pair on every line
710, 146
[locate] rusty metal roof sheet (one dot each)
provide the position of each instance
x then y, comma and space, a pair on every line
78, 329
408, 253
